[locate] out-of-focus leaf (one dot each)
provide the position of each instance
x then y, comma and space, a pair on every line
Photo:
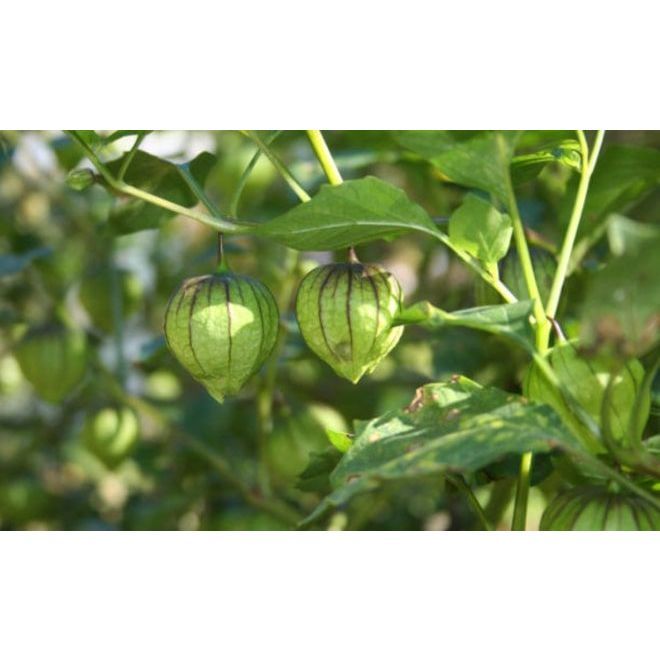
315, 478
626, 236
10, 264
117, 135
622, 175
510, 321
455, 426
621, 312
161, 178
476, 159
349, 214
481, 230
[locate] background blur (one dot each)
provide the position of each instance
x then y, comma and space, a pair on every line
197, 464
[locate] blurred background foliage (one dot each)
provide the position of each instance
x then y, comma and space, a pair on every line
172, 457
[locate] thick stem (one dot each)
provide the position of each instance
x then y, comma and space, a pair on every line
519, 521
325, 157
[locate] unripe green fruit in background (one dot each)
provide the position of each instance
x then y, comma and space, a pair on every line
594, 508
345, 312
221, 328
54, 360
111, 433
96, 296
586, 380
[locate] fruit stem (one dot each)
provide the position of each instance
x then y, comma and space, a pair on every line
222, 266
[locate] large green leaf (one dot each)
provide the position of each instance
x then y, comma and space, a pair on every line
510, 321
349, 214
477, 227
455, 426
477, 159
159, 177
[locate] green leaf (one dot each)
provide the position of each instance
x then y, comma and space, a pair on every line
315, 477
341, 441
476, 159
526, 166
455, 426
349, 214
10, 264
481, 230
159, 177
621, 312
510, 321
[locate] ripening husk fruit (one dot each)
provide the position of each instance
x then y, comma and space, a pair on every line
54, 360
111, 434
96, 296
595, 508
221, 328
345, 312
586, 379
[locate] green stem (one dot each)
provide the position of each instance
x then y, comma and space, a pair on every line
279, 166
526, 461
519, 521
216, 223
476, 266
118, 322
128, 159
525, 260
324, 157
460, 484
233, 205
588, 165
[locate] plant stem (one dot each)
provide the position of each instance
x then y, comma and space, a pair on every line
324, 157
216, 223
233, 205
522, 489
460, 484
588, 165
519, 521
525, 260
279, 166
116, 296
128, 159
474, 265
